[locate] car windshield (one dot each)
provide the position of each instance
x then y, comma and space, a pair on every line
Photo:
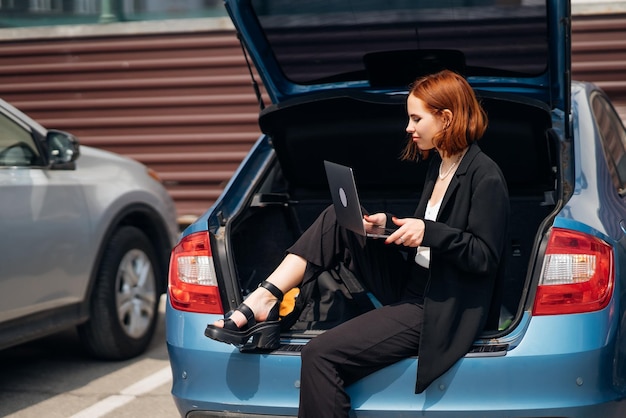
319, 41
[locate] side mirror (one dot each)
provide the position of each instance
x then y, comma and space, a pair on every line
63, 150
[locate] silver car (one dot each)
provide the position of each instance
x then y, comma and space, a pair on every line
85, 240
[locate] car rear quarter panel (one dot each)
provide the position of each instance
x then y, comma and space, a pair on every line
597, 209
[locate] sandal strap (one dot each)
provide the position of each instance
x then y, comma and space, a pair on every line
272, 289
247, 312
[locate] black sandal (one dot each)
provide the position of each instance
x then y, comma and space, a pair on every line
265, 335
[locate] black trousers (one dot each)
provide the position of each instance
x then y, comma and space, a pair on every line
367, 343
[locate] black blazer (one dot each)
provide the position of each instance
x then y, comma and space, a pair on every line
467, 245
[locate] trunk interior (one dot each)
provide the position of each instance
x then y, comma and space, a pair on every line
368, 133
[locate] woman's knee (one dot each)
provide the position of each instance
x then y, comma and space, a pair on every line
315, 351
329, 214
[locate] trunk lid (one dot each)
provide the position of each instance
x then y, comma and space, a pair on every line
299, 47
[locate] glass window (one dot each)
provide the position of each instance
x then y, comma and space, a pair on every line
17, 146
613, 139
18, 13
321, 40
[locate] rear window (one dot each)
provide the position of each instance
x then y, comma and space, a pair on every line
317, 41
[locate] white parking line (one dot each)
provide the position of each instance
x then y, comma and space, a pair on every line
126, 395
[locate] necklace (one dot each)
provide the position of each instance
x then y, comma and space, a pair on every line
449, 170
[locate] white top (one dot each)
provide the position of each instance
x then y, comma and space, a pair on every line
423, 253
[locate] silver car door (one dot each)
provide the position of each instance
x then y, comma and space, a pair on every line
44, 228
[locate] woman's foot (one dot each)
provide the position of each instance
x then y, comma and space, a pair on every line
257, 318
262, 327
260, 301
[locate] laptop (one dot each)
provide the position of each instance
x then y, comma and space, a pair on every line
346, 201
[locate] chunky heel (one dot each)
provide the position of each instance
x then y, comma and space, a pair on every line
266, 340
251, 336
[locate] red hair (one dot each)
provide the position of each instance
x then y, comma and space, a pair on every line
448, 90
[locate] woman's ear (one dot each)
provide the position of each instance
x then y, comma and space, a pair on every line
446, 117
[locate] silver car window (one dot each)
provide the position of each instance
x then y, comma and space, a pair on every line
17, 145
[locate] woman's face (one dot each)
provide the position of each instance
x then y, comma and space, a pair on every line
423, 125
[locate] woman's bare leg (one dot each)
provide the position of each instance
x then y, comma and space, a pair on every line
286, 276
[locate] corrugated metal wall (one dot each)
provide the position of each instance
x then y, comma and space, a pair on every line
183, 103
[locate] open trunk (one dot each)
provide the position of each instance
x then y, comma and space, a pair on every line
367, 132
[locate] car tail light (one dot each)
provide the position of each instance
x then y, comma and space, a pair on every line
192, 280
577, 274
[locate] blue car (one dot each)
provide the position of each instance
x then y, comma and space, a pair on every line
337, 75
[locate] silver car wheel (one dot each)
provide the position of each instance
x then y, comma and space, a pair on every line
135, 298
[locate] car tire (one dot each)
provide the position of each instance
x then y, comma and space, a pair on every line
125, 298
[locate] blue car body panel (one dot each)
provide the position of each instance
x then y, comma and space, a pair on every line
563, 373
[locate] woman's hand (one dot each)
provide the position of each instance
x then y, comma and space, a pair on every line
373, 223
410, 232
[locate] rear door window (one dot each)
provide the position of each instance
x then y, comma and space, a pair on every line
613, 137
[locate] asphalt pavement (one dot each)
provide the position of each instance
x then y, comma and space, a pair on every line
53, 378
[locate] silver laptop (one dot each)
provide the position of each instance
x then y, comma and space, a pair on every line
346, 201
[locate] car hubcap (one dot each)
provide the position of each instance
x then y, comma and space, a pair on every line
135, 293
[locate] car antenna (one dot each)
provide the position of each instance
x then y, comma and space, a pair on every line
255, 85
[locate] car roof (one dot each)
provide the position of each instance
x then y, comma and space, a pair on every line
303, 46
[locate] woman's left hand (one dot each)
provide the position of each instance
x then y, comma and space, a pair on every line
410, 232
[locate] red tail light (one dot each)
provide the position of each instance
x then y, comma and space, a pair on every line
577, 274
192, 280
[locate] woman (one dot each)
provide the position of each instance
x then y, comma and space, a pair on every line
437, 274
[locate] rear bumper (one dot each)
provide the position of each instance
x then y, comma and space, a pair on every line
547, 375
